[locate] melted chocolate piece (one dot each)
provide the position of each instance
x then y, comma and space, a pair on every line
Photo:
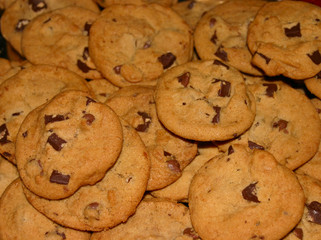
230, 150
37, 5
216, 118
271, 88
4, 133
267, 59
298, 232
191, 233
253, 145
281, 124
217, 62
147, 121
56, 142
249, 193
54, 118
225, 90
314, 209
184, 78
294, 31
212, 23
214, 38
220, 53
21, 24
89, 118
57, 177
167, 60
89, 100
83, 66
315, 57
173, 165
117, 69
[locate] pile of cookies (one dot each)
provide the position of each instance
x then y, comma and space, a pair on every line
140, 119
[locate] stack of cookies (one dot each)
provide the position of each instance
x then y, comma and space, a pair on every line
164, 119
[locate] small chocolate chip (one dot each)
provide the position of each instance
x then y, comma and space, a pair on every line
4, 133
294, 31
117, 69
271, 88
267, 59
230, 150
315, 57
249, 193
214, 38
57, 177
314, 209
147, 44
147, 121
191, 5
220, 53
167, 154
56, 142
298, 232
281, 124
83, 66
87, 28
37, 5
167, 60
89, 118
21, 24
54, 118
89, 100
16, 114
184, 78
253, 145
174, 165
212, 22
25, 134
217, 62
216, 118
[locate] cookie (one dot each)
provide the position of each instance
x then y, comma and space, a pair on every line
239, 194
169, 154
286, 124
8, 173
19, 220
204, 101
284, 39
60, 38
27, 89
69, 142
102, 88
178, 190
18, 15
108, 202
309, 228
135, 44
154, 219
221, 34
106, 3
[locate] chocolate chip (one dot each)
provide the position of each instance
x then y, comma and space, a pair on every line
294, 31
4, 133
216, 118
281, 124
174, 166
56, 142
271, 88
25, 134
89, 100
217, 62
83, 66
253, 145
191, 5
267, 59
147, 45
230, 150
191, 233
21, 24
314, 209
214, 38
315, 57
57, 177
87, 28
184, 78
89, 118
298, 232
117, 69
220, 53
225, 89
16, 114
249, 193
37, 5
54, 118
212, 22
167, 60
147, 121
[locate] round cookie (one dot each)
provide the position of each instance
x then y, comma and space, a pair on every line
8, 173
60, 38
108, 202
106, 3
102, 88
135, 44
239, 194
284, 39
286, 124
153, 219
20, 221
221, 34
309, 228
178, 190
27, 89
204, 101
69, 142
17, 16
169, 154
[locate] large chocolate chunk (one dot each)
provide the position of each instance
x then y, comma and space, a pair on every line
314, 209
56, 142
167, 60
249, 193
147, 121
220, 53
271, 88
184, 78
54, 118
57, 177
37, 5
216, 118
4, 133
225, 89
298, 232
21, 24
253, 145
315, 57
294, 31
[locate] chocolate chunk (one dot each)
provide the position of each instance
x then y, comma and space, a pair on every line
225, 89
89, 118
230, 150
56, 142
167, 154
21, 24
174, 166
167, 60
249, 193
212, 22
85, 53
271, 88
294, 31
314, 209
315, 57
4, 133
83, 66
281, 124
298, 232
190, 232
220, 53
25, 134
89, 100
37, 5
147, 121
117, 69
16, 114
216, 118
57, 177
217, 62
267, 59
184, 78
214, 38
253, 145
54, 118
92, 211
191, 5
87, 28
